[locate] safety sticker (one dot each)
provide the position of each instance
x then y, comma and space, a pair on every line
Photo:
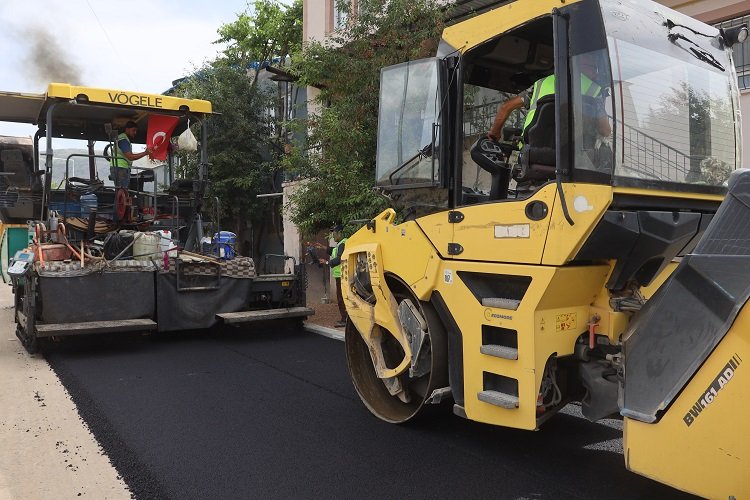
448, 276
512, 231
566, 321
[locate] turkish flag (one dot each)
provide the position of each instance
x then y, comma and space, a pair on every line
160, 129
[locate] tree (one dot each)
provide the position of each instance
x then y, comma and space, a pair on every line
243, 139
270, 31
339, 159
237, 141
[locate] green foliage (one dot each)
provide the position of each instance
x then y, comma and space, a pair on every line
340, 159
270, 31
237, 138
240, 143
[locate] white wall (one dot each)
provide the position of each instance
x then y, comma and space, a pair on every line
316, 19
708, 11
745, 110
292, 238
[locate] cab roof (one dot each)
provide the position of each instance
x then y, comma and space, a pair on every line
82, 112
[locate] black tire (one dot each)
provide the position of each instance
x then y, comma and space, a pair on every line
29, 342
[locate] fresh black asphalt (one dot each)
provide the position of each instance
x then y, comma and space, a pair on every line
269, 412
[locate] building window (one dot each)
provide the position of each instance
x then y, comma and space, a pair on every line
339, 14
741, 52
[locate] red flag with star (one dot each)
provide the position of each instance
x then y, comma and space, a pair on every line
160, 129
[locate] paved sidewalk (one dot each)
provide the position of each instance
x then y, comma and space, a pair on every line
46, 450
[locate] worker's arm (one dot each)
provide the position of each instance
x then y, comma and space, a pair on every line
603, 126
137, 156
503, 112
125, 147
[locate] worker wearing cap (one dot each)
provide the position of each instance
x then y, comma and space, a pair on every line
124, 157
335, 264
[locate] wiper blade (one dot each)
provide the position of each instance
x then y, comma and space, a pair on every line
425, 152
696, 51
706, 57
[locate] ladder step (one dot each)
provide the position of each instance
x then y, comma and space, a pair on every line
501, 303
122, 325
500, 399
265, 314
499, 351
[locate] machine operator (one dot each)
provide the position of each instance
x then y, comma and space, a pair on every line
124, 156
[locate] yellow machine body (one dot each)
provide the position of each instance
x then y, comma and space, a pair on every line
516, 299
702, 443
553, 312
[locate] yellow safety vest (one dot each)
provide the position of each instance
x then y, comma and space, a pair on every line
119, 159
546, 86
336, 270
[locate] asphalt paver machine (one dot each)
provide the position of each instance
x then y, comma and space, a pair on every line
103, 259
598, 254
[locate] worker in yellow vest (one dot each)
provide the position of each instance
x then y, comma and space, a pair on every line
123, 156
335, 263
546, 86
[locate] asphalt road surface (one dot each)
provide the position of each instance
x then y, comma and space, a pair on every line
271, 413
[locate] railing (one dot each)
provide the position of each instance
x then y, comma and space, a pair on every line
478, 119
654, 158
641, 152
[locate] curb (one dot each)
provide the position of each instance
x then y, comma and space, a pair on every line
331, 333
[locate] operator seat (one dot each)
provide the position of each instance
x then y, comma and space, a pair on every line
538, 153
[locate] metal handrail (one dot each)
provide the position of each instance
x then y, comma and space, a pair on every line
66, 179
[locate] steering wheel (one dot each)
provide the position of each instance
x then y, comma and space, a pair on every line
107, 153
489, 155
83, 185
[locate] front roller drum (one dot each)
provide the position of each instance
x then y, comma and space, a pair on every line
372, 390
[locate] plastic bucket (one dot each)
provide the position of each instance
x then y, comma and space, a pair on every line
88, 203
147, 246
166, 245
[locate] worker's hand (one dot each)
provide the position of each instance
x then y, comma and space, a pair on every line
492, 137
323, 261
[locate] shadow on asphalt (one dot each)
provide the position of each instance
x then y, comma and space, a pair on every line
124, 342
